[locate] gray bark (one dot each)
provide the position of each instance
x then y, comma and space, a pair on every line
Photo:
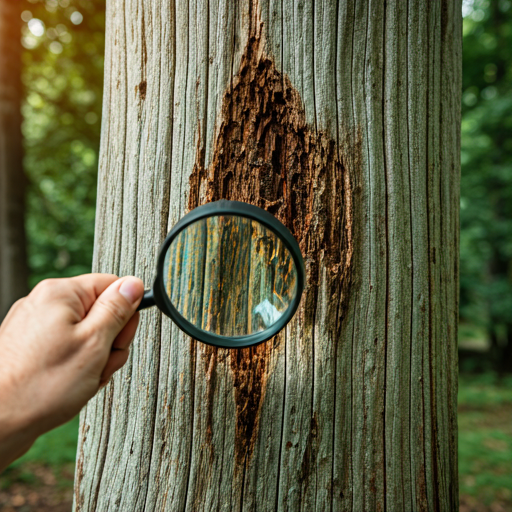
13, 260
342, 119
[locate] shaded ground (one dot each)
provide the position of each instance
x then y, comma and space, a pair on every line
470, 504
42, 480
35, 487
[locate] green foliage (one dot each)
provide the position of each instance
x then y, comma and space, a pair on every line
486, 194
63, 75
63, 80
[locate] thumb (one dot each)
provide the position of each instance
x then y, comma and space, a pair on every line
115, 306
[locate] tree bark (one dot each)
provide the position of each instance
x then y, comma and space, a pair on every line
13, 259
342, 119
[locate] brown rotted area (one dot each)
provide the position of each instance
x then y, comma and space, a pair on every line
265, 154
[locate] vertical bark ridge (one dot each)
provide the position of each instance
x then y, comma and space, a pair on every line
429, 398
161, 91
141, 98
387, 222
312, 46
398, 295
412, 266
281, 439
142, 89
345, 446
187, 36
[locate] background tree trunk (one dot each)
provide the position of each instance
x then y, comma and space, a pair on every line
13, 259
342, 119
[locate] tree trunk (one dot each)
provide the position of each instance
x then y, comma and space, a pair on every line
13, 259
341, 119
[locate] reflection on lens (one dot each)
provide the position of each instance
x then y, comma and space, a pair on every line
230, 275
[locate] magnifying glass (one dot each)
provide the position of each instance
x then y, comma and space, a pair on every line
228, 274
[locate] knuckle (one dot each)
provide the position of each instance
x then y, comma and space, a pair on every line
48, 287
43, 286
18, 304
14, 311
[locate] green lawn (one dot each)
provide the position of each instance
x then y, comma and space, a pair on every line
485, 439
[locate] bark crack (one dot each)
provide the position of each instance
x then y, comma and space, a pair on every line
265, 154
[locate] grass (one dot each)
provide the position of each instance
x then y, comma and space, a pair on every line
473, 337
485, 439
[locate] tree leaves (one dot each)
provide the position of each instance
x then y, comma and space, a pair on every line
62, 113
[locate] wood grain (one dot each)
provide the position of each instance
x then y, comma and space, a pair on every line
342, 119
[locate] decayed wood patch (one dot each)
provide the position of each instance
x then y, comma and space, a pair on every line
265, 154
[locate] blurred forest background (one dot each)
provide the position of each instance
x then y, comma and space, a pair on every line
62, 76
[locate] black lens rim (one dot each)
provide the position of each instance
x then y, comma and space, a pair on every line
224, 207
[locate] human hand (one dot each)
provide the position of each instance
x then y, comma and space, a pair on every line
58, 346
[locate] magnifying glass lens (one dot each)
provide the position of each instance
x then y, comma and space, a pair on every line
229, 275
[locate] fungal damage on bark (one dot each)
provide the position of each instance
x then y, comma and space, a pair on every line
141, 89
265, 154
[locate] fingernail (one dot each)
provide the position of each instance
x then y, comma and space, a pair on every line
131, 289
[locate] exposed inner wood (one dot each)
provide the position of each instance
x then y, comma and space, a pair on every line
265, 154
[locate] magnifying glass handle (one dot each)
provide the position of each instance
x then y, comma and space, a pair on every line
147, 301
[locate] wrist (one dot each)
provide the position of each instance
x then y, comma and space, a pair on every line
17, 431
